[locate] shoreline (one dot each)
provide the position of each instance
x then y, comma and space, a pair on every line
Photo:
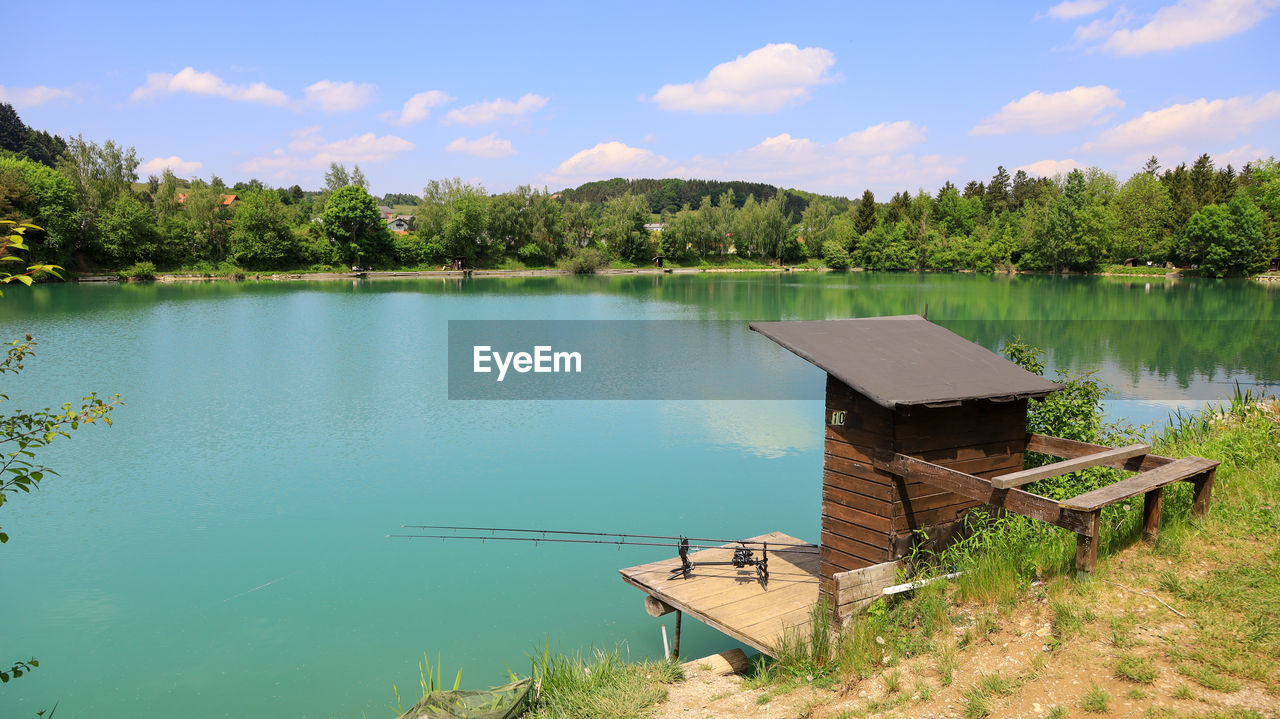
549, 272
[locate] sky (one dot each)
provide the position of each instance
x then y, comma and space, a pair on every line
832, 98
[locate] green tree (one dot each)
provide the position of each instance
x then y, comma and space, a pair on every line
466, 226
835, 256
888, 247
207, 216
1143, 213
621, 228
997, 198
1229, 238
127, 233
957, 215
816, 222
354, 225
100, 174
865, 218
261, 237
43, 197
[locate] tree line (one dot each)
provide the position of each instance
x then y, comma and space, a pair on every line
96, 213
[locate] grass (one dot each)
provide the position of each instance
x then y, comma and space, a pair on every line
1217, 571
1139, 670
1096, 700
600, 684
977, 704
1139, 270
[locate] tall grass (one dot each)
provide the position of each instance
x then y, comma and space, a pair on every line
600, 684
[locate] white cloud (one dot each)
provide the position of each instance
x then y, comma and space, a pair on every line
178, 165
32, 96
844, 166
1098, 29
339, 96
490, 110
1240, 156
1049, 168
1185, 23
366, 148
605, 160
206, 83
882, 138
1071, 9
305, 139
489, 146
308, 149
417, 108
1052, 112
764, 80
1203, 121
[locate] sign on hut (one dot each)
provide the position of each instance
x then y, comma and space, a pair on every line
921, 425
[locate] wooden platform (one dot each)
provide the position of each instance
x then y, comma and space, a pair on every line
732, 600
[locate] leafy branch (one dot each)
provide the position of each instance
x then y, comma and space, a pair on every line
15, 239
22, 433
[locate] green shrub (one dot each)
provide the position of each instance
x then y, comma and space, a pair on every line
532, 254
585, 261
140, 271
835, 256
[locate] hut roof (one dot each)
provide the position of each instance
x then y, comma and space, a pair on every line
906, 360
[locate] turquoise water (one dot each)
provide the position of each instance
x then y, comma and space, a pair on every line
222, 551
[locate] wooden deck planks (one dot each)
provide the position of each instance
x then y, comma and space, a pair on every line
732, 600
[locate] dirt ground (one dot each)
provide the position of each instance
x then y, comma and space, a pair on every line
1021, 649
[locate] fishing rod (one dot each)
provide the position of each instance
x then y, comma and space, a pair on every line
743, 555
810, 547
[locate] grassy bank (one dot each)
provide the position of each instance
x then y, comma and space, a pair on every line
1184, 627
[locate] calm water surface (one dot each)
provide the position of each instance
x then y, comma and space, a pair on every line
221, 551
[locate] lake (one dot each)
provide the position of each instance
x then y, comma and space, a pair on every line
222, 550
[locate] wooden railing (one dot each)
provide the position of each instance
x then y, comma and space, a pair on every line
1080, 514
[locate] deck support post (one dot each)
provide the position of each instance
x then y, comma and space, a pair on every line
1152, 503
1203, 491
1087, 545
675, 652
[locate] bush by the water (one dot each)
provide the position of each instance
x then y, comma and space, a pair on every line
835, 256
585, 261
140, 271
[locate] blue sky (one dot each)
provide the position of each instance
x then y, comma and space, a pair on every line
833, 98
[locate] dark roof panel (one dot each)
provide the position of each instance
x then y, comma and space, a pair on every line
906, 360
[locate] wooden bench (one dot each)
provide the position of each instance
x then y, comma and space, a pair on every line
1081, 514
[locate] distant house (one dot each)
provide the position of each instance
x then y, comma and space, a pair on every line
655, 227
227, 200
401, 224
386, 212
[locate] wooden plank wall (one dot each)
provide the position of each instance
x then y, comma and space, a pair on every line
857, 498
868, 516
981, 437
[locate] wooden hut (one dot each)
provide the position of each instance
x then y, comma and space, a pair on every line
921, 425
905, 385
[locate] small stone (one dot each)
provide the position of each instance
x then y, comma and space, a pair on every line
880, 641
1035, 707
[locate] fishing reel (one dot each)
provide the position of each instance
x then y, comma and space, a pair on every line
743, 557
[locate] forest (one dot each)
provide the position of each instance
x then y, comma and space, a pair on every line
97, 215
